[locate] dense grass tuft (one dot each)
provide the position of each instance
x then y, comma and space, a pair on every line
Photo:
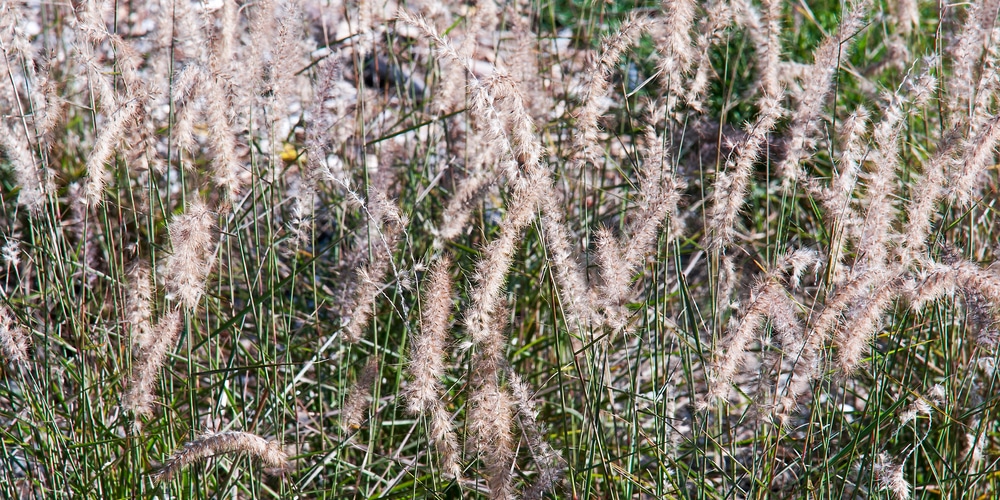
317, 249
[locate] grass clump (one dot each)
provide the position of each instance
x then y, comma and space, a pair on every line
729, 249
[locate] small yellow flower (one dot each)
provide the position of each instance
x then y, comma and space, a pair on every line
289, 154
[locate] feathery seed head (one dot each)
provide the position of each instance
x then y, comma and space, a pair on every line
13, 338
269, 453
186, 268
